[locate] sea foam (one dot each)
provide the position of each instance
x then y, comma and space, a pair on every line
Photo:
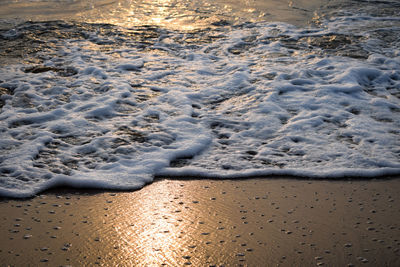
261, 99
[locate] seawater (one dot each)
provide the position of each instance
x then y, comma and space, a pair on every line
96, 105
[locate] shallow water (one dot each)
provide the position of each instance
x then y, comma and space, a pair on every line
112, 105
172, 14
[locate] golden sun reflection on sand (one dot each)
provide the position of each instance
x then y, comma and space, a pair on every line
255, 222
157, 234
175, 223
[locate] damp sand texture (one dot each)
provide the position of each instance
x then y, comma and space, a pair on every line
256, 222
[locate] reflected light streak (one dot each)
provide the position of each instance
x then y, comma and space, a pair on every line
172, 14
183, 15
154, 238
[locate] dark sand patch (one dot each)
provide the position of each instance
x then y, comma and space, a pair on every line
208, 223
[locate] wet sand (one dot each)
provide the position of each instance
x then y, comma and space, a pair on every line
255, 222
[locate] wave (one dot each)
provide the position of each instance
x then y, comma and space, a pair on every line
98, 105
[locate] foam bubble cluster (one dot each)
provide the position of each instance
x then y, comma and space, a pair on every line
111, 107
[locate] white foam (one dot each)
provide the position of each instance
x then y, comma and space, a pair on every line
248, 104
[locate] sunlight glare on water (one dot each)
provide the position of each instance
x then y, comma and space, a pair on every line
172, 14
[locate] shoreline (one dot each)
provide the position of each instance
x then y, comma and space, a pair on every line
174, 222
64, 189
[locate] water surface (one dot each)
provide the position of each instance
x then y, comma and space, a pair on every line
88, 101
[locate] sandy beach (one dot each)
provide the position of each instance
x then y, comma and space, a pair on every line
110, 94
255, 222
